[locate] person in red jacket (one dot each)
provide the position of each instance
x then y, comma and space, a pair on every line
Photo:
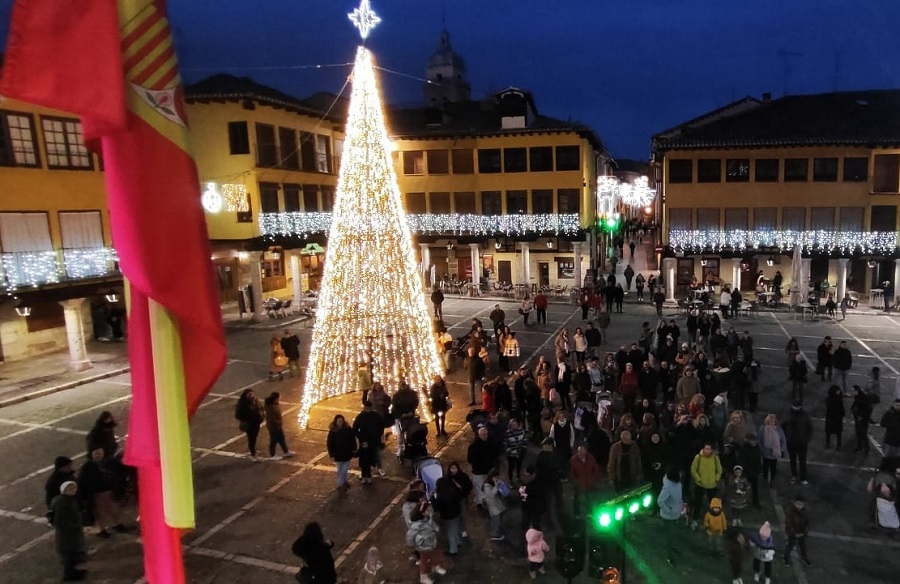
540, 304
628, 387
585, 476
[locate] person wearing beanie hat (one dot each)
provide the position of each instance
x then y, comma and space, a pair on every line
738, 493
69, 531
372, 570
763, 546
62, 472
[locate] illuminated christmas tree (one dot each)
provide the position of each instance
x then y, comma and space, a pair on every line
371, 301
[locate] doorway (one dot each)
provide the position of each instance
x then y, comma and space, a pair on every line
543, 273
504, 271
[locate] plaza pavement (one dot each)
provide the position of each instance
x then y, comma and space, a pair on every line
248, 514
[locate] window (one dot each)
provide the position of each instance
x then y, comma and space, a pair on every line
23, 236
796, 170
415, 203
884, 218
680, 219
266, 149
886, 177
291, 198
465, 203
311, 198
489, 160
856, 169
491, 203
238, 138
516, 202
708, 219
413, 162
793, 218
737, 170
82, 234
681, 171
307, 151
440, 203
18, 145
463, 162
853, 219
765, 218
569, 201
268, 198
568, 158
287, 145
736, 219
565, 268
323, 153
541, 158
542, 201
515, 160
327, 198
709, 170
766, 170
65, 144
438, 162
821, 219
825, 169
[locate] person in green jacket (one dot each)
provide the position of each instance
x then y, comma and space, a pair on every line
706, 470
69, 531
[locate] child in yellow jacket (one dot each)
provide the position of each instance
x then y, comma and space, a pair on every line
715, 523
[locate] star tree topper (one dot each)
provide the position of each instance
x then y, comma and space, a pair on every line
364, 18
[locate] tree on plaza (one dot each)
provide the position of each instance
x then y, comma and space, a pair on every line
371, 304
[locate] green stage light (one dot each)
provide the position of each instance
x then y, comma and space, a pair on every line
611, 222
648, 500
620, 513
633, 507
604, 519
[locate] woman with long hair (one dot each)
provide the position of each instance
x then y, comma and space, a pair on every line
315, 551
250, 414
341, 444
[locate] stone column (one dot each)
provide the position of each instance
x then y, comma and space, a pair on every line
526, 264
476, 263
426, 264
295, 277
842, 278
805, 269
669, 275
896, 292
254, 258
576, 247
78, 357
735, 273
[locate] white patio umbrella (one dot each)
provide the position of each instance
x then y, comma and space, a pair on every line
797, 285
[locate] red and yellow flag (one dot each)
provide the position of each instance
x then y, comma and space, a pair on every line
113, 64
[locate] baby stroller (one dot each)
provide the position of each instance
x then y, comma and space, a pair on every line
461, 346
414, 441
476, 419
429, 470
883, 488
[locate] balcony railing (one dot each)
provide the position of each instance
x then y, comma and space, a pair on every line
882, 242
304, 224
35, 268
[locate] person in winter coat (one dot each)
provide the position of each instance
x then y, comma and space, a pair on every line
654, 456
369, 430
514, 446
715, 524
315, 551
69, 531
796, 528
481, 456
103, 435
772, 446
372, 571
735, 545
476, 370
250, 414
739, 495
861, 410
834, 416
278, 361
706, 472
423, 536
749, 458
275, 426
341, 444
625, 466
671, 504
493, 500
798, 372
563, 434
381, 403
440, 404
451, 492
843, 361
537, 547
628, 387
585, 473
718, 418
763, 546
890, 421
63, 472
688, 386
737, 429
797, 434
96, 490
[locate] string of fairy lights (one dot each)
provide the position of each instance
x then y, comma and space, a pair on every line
33, 268
371, 305
867, 242
303, 224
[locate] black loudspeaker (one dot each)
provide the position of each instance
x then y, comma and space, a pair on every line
570, 555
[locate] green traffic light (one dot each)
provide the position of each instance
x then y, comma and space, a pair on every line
604, 519
648, 500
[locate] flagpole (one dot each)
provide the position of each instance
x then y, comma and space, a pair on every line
172, 419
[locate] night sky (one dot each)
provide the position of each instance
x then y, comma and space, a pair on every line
627, 68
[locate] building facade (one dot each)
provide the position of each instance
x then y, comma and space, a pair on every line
60, 279
741, 186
